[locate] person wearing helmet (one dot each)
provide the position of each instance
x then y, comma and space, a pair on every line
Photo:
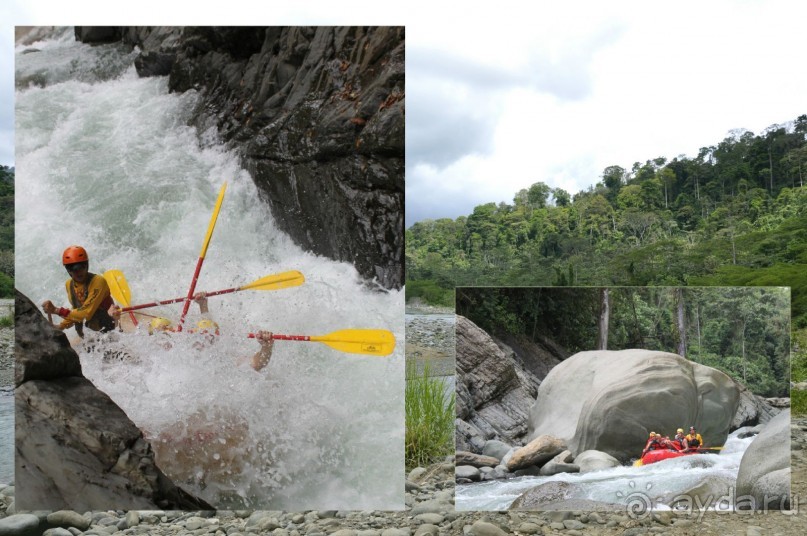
88, 294
681, 440
158, 324
694, 439
653, 443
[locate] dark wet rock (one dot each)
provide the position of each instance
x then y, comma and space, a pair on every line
70, 436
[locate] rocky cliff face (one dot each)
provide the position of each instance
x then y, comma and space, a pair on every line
496, 386
75, 448
317, 115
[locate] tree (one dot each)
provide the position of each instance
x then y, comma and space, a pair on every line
537, 195
561, 197
605, 309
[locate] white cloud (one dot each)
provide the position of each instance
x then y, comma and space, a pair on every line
506, 95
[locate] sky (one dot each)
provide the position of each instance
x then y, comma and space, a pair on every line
500, 97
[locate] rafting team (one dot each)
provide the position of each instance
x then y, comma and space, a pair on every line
94, 308
680, 443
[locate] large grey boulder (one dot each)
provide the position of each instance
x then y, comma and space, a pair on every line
610, 400
764, 475
76, 449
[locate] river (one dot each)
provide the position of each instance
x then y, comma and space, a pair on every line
105, 159
653, 485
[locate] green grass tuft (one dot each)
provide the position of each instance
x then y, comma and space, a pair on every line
429, 417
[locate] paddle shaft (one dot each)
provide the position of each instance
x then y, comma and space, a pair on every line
201, 260
286, 337
177, 300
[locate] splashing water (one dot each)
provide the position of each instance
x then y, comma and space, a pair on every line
106, 160
638, 489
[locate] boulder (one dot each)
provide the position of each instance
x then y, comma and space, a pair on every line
76, 449
593, 460
553, 468
536, 452
476, 460
764, 474
540, 496
610, 400
467, 472
496, 448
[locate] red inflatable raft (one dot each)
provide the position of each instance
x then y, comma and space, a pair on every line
662, 454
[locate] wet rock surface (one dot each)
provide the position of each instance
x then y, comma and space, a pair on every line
75, 448
317, 116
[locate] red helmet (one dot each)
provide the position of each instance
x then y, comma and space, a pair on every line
74, 254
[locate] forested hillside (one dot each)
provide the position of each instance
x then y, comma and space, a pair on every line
735, 214
6, 232
745, 332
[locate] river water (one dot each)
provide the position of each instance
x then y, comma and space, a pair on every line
653, 485
105, 159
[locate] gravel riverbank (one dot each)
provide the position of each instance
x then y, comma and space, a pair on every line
430, 339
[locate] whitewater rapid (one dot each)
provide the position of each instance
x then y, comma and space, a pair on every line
653, 486
106, 160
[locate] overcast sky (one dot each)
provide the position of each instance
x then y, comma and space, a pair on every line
499, 98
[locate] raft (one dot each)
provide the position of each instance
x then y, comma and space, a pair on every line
662, 454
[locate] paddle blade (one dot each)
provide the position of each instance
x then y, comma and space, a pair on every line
118, 287
213, 219
292, 278
378, 342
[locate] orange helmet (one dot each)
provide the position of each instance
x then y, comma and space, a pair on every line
74, 254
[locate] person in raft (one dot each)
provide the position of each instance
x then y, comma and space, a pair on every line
653, 443
88, 294
694, 439
208, 327
681, 440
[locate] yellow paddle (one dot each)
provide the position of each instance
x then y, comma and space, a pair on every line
292, 278
119, 289
377, 342
209, 234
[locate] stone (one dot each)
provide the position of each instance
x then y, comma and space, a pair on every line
593, 460
553, 468
68, 518
496, 449
483, 528
475, 460
20, 525
764, 473
539, 450
610, 400
71, 436
468, 472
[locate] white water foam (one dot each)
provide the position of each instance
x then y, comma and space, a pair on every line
105, 160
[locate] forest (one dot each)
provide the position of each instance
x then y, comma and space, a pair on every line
734, 215
744, 332
6, 232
